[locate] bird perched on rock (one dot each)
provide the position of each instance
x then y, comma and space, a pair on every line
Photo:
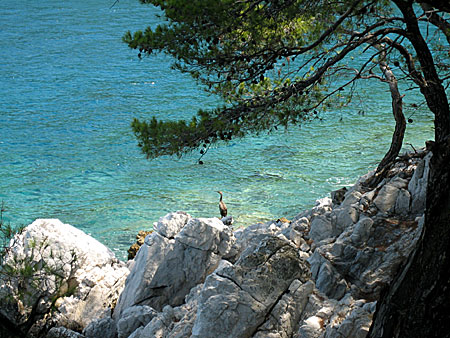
222, 206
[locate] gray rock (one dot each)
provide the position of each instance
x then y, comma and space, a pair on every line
133, 318
345, 217
159, 325
236, 299
327, 278
361, 231
322, 206
356, 325
171, 224
62, 332
105, 328
351, 197
321, 228
137, 333
165, 269
227, 220
337, 196
284, 318
402, 204
418, 185
249, 236
387, 196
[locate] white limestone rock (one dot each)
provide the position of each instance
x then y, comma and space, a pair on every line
248, 236
165, 269
236, 299
206, 234
171, 224
86, 266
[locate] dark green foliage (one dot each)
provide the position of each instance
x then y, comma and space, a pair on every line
274, 63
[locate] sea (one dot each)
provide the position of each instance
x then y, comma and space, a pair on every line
69, 89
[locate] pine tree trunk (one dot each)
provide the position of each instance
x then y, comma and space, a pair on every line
417, 302
400, 125
400, 122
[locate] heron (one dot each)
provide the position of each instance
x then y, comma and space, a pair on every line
222, 206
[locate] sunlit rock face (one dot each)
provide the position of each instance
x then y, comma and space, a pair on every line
174, 258
317, 275
84, 273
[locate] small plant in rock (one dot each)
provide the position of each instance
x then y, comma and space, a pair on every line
32, 278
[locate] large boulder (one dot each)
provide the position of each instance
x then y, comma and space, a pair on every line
236, 299
62, 268
169, 265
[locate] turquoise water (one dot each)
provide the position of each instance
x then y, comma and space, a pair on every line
69, 90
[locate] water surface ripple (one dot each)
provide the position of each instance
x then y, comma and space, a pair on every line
69, 90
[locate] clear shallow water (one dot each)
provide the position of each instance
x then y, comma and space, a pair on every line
69, 90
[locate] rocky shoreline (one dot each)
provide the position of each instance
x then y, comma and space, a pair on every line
318, 275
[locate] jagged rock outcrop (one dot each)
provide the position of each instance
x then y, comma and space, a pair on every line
177, 256
237, 299
318, 275
69, 270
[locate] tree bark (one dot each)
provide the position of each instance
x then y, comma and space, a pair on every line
400, 122
417, 301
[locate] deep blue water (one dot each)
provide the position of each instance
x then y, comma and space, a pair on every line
69, 90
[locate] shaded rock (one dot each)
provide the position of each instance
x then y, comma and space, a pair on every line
327, 278
351, 197
236, 299
62, 332
133, 318
283, 320
166, 269
159, 325
418, 185
321, 228
361, 231
105, 328
402, 204
337, 196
